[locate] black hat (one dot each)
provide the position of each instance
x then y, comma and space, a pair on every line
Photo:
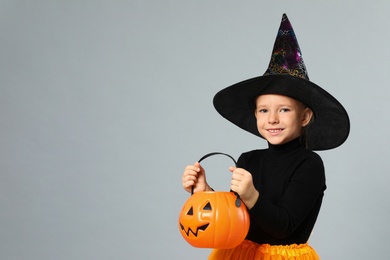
286, 75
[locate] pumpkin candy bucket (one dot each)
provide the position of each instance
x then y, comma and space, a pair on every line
211, 219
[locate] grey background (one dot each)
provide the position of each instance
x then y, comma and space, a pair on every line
103, 103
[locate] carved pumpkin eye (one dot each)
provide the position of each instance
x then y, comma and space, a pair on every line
190, 212
207, 206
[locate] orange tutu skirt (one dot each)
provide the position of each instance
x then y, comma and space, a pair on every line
249, 250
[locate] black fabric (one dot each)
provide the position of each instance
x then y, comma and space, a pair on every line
291, 183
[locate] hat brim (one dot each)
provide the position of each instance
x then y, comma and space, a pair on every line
329, 129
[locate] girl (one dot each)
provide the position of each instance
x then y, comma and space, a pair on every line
282, 186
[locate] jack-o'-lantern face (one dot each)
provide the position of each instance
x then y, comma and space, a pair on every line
197, 219
213, 220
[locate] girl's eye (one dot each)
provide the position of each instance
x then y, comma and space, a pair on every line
263, 110
284, 110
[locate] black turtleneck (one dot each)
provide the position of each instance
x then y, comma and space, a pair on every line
291, 183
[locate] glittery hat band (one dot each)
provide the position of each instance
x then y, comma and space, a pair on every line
286, 55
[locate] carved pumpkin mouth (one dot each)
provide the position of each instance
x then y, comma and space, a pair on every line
189, 230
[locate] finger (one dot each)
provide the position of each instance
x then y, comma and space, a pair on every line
234, 188
196, 167
192, 168
200, 168
237, 176
188, 184
190, 172
240, 171
235, 182
189, 178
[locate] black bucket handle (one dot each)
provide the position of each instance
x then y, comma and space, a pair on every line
238, 200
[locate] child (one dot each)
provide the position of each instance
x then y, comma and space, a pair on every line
282, 186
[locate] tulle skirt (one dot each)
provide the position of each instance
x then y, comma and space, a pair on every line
249, 250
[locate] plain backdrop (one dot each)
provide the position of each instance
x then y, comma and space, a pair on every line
103, 104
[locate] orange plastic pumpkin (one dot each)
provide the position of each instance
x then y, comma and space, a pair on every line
214, 219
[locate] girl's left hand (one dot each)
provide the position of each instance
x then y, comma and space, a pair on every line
242, 183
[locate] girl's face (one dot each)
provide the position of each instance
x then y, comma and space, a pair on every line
280, 119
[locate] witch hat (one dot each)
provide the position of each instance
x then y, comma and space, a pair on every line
287, 75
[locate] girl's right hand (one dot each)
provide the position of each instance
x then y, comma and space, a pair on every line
194, 175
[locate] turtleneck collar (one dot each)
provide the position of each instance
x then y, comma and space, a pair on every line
287, 147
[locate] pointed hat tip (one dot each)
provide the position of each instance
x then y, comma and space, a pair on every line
286, 55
